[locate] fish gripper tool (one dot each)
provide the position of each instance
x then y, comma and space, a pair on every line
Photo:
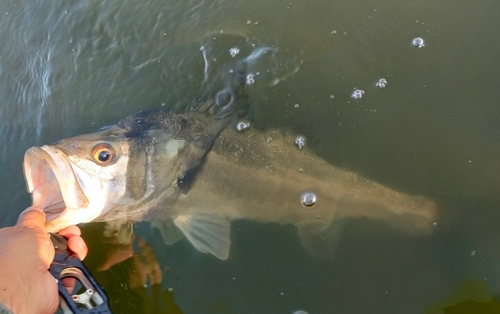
89, 298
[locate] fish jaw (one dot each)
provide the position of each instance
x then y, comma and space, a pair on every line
54, 186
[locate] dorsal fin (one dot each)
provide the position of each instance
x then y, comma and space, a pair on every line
139, 122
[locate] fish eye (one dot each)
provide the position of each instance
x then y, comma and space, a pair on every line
103, 153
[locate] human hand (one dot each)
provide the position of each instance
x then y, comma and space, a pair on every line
115, 252
146, 267
26, 253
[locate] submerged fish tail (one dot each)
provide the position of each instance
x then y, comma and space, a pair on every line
342, 195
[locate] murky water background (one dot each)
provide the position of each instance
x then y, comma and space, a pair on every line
68, 67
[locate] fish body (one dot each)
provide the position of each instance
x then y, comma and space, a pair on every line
193, 172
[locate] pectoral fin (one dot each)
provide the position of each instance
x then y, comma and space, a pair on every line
320, 239
209, 233
169, 232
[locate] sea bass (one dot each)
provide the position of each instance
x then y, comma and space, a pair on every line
193, 172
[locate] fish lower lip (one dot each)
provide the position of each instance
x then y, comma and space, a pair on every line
53, 214
42, 183
55, 210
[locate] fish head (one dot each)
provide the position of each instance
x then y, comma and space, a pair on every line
144, 162
78, 179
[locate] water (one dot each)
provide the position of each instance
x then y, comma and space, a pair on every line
71, 67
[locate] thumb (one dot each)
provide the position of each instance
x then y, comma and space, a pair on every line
32, 217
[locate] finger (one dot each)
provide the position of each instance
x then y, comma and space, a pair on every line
141, 242
147, 252
156, 276
69, 283
78, 246
70, 232
115, 258
32, 217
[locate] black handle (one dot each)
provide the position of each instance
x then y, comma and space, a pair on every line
66, 264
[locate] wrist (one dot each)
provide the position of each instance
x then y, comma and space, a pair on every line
12, 284
6, 289
15, 300
7, 295
4, 309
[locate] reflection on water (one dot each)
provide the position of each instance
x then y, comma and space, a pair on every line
472, 296
67, 68
132, 276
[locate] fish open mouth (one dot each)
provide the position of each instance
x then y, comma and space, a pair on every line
52, 183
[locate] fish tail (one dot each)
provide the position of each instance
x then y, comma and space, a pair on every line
359, 198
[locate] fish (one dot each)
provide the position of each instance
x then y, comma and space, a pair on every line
191, 172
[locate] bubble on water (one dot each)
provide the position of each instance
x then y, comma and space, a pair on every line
357, 94
418, 42
296, 105
249, 22
268, 65
250, 79
308, 198
381, 83
163, 104
300, 141
242, 125
334, 32
300, 312
234, 51
332, 96
202, 48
